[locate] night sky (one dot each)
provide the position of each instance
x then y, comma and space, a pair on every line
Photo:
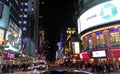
57, 14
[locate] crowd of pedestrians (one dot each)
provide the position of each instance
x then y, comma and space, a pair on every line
95, 67
10, 68
100, 67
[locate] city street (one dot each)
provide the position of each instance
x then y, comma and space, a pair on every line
61, 70
27, 72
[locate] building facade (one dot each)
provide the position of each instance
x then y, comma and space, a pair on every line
99, 32
10, 29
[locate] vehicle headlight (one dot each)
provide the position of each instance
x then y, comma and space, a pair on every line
43, 66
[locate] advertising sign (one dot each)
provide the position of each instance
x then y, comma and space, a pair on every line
100, 53
84, 56
100, 14
10, 56
13, 36
75, 47
4, 16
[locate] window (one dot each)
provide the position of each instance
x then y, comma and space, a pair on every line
25, 16
24, 22
26, 3
25, 9
100, 38
90, 41
24, 29
114, 35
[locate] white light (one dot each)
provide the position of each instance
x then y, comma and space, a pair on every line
89, 20
26, 3
101, 53
32, 9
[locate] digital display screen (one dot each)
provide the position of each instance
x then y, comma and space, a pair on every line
97, 54
10, 56
104, 13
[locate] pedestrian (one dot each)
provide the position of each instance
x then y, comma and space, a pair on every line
98, 68
110, 67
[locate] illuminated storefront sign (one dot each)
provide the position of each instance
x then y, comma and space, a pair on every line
84, 56
103, 13
98, 54
13, 36
75, 47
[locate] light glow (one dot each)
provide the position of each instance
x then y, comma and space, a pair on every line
99, 16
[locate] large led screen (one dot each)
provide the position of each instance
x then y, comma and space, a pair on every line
97, 54
100, 14
75, 47
13, 35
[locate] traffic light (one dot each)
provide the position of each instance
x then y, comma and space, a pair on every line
4, 42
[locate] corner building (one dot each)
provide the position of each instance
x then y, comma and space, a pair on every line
99, 31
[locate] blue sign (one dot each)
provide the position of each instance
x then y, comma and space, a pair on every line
108, 7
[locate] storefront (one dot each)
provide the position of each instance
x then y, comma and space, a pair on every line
100, 32
114, 54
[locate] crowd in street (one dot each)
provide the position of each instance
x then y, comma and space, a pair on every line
95, 67
10, 68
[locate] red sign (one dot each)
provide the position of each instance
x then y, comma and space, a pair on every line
114, 53
84, 56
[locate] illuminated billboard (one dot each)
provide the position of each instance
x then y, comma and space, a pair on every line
75, 47
13, 36
100, 14
4, 16
98, 54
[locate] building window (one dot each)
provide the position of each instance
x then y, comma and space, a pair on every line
21, 9
26, 3
24, 29
100, 38
20, 15
25, 9
20, 22
24, 22
114, 35
21, 3
25, 16
90, 41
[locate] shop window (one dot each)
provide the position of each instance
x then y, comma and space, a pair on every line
100, 39
114, 37
84, 43
90, 40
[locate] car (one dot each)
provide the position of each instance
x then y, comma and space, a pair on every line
42, 65
67, 72
80, 72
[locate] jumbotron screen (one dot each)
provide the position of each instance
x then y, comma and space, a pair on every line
100, 14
